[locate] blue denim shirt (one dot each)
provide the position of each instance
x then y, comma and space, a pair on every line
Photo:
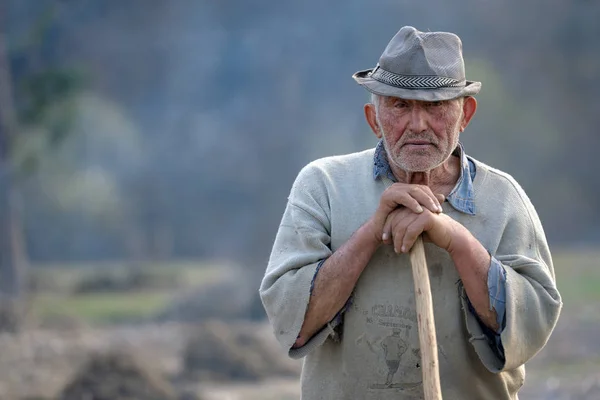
462, 199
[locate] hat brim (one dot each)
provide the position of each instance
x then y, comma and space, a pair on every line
363, 78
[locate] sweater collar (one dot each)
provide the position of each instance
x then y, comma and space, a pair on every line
462, 197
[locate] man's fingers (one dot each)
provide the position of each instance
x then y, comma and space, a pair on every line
398, 238
390, 201
406, 229
387, 230
400, 222
412, 232
441, 198
413, 197
413, 204
425, 196
403, 227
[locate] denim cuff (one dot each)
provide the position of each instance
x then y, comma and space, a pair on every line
497, 291
497, 288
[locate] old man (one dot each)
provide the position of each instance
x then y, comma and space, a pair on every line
338, 289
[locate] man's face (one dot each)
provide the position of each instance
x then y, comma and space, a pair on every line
418, 135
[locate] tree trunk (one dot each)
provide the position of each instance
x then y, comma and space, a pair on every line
13, 258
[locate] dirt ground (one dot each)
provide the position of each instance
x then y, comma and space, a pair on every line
569, 366
38, 363
567, 369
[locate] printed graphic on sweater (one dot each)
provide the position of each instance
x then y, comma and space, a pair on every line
394, 347
391, 336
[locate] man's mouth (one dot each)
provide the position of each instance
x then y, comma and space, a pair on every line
418, 143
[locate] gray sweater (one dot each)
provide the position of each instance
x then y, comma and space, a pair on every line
375, 353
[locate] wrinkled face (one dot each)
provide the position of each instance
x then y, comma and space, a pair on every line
419, 135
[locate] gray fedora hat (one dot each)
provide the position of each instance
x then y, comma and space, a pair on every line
416, 65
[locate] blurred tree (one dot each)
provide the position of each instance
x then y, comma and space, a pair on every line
41, 86
93, 173
13, 258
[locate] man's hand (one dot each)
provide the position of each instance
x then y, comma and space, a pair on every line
403, 227
413, 198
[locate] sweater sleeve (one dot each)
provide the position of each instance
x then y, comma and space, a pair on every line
301, 243
533, 302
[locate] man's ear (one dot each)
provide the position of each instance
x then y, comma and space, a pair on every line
469, 108
371, 116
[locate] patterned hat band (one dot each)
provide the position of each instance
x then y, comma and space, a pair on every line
414, 81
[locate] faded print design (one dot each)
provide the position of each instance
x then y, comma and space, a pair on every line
391, 337
394, 347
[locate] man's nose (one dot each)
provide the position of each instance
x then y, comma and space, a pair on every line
418, 122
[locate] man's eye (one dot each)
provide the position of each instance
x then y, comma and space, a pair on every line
435, 103
401, 104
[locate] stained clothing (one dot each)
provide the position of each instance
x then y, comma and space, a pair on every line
330, 199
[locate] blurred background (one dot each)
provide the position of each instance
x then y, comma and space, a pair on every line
147, 148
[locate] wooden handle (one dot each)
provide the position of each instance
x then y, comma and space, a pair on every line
426, 323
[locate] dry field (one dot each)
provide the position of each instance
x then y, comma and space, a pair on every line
240, 360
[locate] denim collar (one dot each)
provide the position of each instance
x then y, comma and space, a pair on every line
462, 197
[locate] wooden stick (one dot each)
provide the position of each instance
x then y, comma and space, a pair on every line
426, 323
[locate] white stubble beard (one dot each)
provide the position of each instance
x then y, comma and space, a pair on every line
412, 168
